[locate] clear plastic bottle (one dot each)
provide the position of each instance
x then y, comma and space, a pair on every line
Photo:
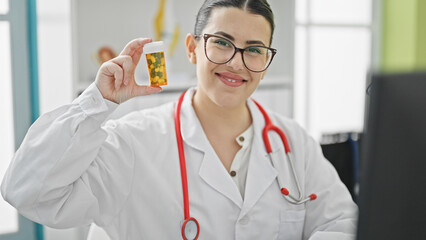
156, 63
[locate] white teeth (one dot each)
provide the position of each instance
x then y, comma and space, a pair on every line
230, 80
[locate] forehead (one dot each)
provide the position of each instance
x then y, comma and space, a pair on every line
240, 24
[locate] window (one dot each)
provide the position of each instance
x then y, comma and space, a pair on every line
4, 6
8, 216
14, 100
332, 57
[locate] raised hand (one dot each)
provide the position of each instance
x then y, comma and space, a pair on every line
116, 77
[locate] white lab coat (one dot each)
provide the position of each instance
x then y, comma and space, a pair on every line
125, 176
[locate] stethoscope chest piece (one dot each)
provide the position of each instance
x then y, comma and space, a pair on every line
190, 229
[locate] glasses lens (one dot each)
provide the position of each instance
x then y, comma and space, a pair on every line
257, 58
219, 50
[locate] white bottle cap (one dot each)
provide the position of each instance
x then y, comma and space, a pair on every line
153, 47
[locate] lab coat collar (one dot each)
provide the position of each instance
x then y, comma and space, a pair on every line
192, 131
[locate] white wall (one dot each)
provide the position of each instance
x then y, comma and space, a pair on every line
114, 23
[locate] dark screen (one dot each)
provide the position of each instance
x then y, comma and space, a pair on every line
393, 161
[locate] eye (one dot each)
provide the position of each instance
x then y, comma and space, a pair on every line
254, 50
222, 42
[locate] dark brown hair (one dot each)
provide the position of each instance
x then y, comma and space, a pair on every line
259, 7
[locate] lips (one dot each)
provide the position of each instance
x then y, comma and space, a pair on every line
230, 79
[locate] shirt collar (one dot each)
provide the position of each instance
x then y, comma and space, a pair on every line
245, 138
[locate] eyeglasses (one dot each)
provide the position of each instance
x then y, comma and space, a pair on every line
220, 50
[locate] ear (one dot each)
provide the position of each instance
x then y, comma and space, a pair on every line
190, 48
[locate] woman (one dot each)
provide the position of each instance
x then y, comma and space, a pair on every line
125, 175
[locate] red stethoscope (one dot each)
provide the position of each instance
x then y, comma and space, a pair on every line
190, 227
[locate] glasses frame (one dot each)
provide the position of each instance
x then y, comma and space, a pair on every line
206, 36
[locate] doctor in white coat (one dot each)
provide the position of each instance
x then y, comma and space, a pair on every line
73, 169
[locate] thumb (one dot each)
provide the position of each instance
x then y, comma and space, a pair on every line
145, 90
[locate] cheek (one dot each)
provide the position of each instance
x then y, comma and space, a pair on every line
203, 64
199, 50
256, 76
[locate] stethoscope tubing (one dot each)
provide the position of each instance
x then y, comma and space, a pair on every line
182, 158
182, 163
269, 126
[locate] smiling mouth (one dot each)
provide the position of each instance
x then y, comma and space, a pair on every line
231, 81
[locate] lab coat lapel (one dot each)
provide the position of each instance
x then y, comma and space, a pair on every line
192, 132
261, 173
214, 174
211, 170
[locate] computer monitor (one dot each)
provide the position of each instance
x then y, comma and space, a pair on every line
392, 197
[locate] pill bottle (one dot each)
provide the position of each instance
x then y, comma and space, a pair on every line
154, 53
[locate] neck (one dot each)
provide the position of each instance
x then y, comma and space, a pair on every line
232, 119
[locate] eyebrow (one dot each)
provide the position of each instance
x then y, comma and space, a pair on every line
233, 39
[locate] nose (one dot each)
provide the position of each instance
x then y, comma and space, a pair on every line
236, 62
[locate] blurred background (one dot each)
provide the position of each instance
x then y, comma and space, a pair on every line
50, 51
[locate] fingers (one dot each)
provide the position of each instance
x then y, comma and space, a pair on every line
121, 68
113, 69
134, 48
128, 69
